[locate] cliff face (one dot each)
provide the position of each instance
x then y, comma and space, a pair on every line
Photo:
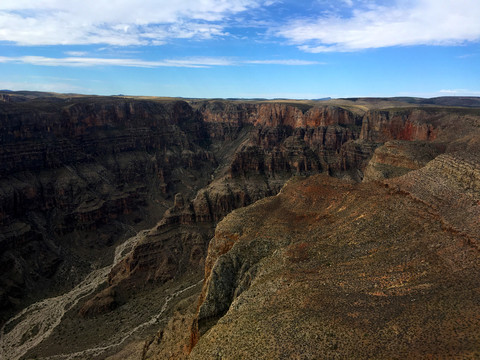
286, 138
75, 176
276, 114
258, 147
396, 158
76, 173
399, 125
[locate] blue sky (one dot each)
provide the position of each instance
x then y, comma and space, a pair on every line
242, 48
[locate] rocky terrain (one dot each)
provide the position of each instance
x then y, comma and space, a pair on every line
331, 269
383, 244
79, 175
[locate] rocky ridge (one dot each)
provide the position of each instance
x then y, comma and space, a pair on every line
332, 269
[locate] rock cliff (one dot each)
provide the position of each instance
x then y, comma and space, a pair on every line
249, 257
80, 174
94, 166
74, 176
396, 158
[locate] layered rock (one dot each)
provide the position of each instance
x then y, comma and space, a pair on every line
178, 243
450, 185
293, 138
81, 164
75, 175
78, 173
258, 147
407, 124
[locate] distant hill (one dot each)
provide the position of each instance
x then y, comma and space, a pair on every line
370, 102
466, 101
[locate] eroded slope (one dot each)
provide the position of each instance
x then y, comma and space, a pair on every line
331, 269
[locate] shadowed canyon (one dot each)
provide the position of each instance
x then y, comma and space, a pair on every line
162, 228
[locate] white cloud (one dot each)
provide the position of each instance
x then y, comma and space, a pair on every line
114, 22
192, 62
412, 22
76, 53
89, 61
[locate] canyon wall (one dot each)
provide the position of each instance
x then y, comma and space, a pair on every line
329, 268
79, 174
75, 176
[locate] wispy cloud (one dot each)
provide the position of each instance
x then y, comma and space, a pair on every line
291, 62
403, 23
120, 22
193, 62
459, 92
76, 53
59, 86
90, 61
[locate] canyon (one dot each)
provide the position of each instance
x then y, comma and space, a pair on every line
341, 228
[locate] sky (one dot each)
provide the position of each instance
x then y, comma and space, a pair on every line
242, 48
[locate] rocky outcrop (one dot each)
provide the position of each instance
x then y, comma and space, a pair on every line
102, 302
179, 241
406, 124
328, 268
396, 158
172, 342
450, 185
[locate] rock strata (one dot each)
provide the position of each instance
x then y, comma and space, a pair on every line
79, 174
76, 175
396, 158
